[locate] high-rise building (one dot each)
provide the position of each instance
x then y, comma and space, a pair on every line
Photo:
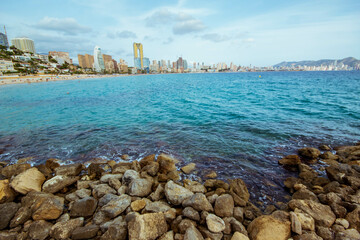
98, 60
138, 56
89, 61
3, 39
61, 56
81, 59
24, 44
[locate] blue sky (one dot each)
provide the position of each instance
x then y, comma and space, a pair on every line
257, 32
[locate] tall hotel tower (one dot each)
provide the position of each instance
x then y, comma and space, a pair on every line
138, 56
98, 60
24, 44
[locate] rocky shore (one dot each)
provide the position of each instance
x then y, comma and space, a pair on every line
148, 199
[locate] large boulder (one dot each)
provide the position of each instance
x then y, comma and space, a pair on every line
354, 218
40, 229
29, 180
63, 230
129, 176
290, 160
47, 207
199, 202
140, 187
69, 170
6, 193
224, 206
175, 193
322, 214
239, 192
309, 153
214, 223
15, 169
117, 206
83, 207
7, 212
166, 163
269, 228
57, 183
147, 226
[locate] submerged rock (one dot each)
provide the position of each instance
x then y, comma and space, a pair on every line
239, 192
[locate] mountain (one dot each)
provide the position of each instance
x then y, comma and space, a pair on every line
350, 61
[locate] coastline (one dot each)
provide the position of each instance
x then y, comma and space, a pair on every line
155, 198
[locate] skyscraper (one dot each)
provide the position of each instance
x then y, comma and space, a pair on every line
138, 56
24, 44
98, 60
64, 56
3, 39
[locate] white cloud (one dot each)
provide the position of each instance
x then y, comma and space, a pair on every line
68, 26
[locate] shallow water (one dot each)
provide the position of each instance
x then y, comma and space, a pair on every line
238, 124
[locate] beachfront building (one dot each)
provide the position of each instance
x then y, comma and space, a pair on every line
98, 60
61, 57
24, 44
86, 61
3, 40
138, 56
6, 66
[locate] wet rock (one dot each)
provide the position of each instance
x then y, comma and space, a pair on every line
40, 229
52, 163
101, 190
147, 226
212, 174
7, 212
239, 192
86, 232
251, 211
322, 214
193, 234
129, 176
121, 167
158, 206
138, 205
224, 206
116, 206
295, 223
325, 148
6, 193
290, 160
194, 186
117, 230
152, 168
214, 223
309, 153
354, 219
166, 163
307, 174
173, 175
320, 181
348, 152
15, 169
57, 183
69, 170
339, 210
147, 160
353, 182
140, 187
176, 194
84, 207
29, 180
199, 202
63, 230
44, 170
269, 228
305, 195
291, 181
281, 215
188, 168
191, 213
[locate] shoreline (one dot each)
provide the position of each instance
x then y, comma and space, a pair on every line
114, 200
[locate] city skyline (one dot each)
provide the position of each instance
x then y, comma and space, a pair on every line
258, 33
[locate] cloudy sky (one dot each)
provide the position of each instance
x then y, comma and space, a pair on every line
257, 32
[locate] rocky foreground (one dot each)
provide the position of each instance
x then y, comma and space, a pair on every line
145, 200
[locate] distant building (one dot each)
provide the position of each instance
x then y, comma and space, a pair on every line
98, 60
4, 40
109, 64
24, 44
138, 56
81, 60
61, 56
86, 61
6, 65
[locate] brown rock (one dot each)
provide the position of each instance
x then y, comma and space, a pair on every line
14, 169
83, 207
101, 190
140, 187
158, 194
7, 212
194, 186
290, 160
47, 207
306, 221
199, 202
305, 195
57, 183
214, 223
210, 235
138, 205
239, 192
69, 170
157, 206
63, 230
185, 224
117, 206
295, 223
146, 160
269, 228
176, 194
6, 193
29, 180
309, 153
167, 236
188, 168
40, 229
239, 213
191, 213
52, 163
308, 236
354, 219
193, 234
117, 230
239, 236
86, 232
166, 163
212, 174
147, 226
224, 206
151, 168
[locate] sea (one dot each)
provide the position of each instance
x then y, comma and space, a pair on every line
237, 124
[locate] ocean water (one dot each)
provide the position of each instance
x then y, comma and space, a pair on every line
238, 124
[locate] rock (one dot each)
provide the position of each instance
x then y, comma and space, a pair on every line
290, 160
353, 218
199, 202
175, 193
22, 215
322, 214
6, 235
15, 169
84, 207
167, 236
224, 206
86, 232
324, 232
29, 180
47, 207
116, 206
52, 163
210, 235
117, 230
115, 183
6, 193
194, 186
239, 192
307, 174
147, 226
305, 195
185, 224
324, 148
101, 190
239, 213
40, 229
308, 236
193, 234
140, 187
309, 153
69, 170
157, 206
306, 221
212, 174
188, 168
239, 236
166, 163
349, 234
129, 176
147, 160
7, 212
63, 230
173, 175
269, 228
151, 168
106, 199
107, 177
170, 214
138, 205
57, 183
158, 194
295, 223
214, 223
343, 222
191, 213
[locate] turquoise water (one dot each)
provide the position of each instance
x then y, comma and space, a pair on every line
236, 123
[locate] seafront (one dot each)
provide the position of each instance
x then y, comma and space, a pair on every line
155, 198
4, 80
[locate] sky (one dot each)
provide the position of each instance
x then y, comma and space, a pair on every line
256, 32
